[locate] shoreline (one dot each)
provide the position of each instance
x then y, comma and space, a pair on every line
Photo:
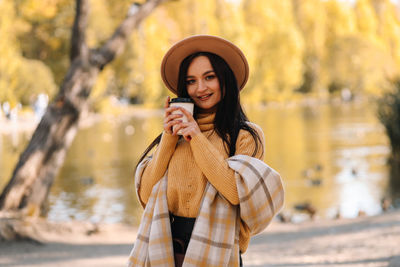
27, 122
363, 241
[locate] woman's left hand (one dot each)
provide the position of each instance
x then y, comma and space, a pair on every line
188, 129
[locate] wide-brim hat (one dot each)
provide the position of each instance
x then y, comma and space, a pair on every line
233, 56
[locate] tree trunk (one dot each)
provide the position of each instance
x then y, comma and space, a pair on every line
38, 165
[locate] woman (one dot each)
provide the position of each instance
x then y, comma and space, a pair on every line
206, 192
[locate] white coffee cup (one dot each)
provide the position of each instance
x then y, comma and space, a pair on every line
186, 103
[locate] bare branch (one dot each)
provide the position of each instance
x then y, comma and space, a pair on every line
78, 38
115, 45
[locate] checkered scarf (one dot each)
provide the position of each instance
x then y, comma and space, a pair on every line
215, 237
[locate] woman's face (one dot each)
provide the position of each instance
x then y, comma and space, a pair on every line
202, 84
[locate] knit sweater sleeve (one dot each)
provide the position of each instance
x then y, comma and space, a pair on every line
212, 162
158, 165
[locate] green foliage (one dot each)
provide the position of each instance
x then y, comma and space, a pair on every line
309, 46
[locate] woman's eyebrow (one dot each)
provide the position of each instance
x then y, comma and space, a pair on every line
205, 73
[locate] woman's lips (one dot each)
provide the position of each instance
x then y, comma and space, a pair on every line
205, 97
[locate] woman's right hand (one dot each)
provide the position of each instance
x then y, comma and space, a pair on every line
170, 119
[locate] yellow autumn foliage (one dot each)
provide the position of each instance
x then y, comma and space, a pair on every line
295, 48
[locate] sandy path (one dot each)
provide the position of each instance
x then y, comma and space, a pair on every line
369, 241
110, 247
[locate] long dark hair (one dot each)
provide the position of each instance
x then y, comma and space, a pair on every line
230, 117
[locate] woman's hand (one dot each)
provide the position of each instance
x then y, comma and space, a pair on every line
188, 129
170, 119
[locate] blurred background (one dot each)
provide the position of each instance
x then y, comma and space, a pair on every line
320, 75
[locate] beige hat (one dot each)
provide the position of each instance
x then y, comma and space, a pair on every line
203, 43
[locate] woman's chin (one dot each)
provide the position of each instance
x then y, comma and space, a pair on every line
207, 109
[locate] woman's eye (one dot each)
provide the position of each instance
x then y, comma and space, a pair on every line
210, 77
188, 82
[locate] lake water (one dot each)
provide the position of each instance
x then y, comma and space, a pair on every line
333, 156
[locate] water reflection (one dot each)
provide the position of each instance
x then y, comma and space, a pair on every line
332, 156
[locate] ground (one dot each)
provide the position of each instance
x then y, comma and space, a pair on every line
366, 241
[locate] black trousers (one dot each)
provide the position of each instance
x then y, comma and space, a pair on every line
181, 229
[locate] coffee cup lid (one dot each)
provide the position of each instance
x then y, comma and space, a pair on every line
180, 100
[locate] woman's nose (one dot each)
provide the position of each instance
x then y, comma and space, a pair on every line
202, 86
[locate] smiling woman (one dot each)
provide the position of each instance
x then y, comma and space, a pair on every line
194, 182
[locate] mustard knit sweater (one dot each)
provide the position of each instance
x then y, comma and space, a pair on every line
191, 164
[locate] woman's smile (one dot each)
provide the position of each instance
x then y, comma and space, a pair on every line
204, 97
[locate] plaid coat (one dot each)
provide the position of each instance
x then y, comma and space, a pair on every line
215, 237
